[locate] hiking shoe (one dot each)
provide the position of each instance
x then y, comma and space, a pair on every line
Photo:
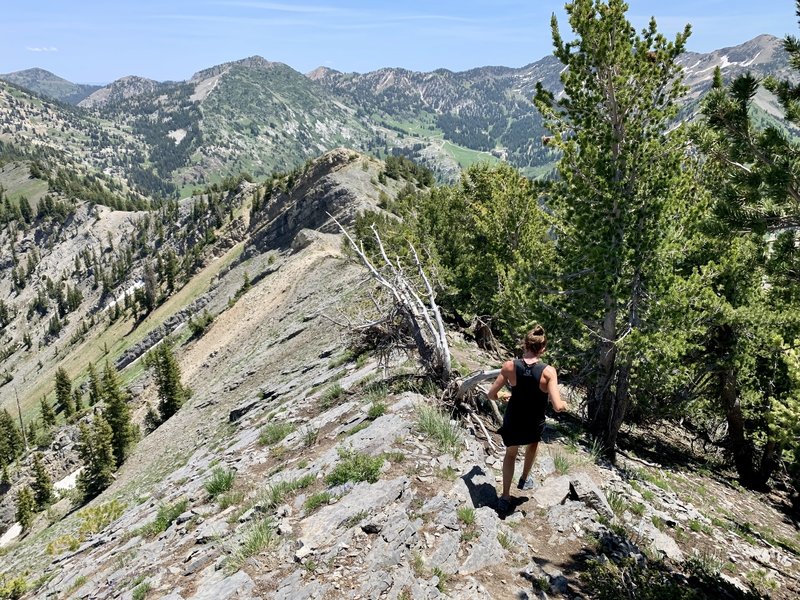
527, 484
503, 505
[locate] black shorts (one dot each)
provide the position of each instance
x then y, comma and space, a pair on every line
521, 434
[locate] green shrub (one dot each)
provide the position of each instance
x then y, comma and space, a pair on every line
438, 427
331, 395
140, 591
164, 517
274, 432
628, 579
355, 466
221, 481
466, 515
314, 501
376, 409
274, 494
13, 588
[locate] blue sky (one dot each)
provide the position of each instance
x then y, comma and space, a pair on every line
97, 41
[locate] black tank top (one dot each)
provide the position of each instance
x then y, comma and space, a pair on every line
528, 402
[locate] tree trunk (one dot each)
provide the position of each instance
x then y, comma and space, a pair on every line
618, 410
741, 447
601, 399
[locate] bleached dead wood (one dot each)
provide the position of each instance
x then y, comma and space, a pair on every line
418, 309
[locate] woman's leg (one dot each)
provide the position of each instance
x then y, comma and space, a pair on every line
530, 456
508, 469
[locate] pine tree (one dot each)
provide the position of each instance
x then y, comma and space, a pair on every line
117, 414
171, 393
753, 370
42, 484
25, 508
95, 387
77, 400
48, 415
11, 445
623, 204
97, 453
64, 400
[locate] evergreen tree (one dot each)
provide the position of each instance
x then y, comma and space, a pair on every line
42, 484
97, 453
5, 480
95, 387
118, 415
623, 207
752, 370
77, 400
11, 445
48, 415
171, 393
64, 400
25, 508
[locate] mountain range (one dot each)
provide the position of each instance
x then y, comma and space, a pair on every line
257, 116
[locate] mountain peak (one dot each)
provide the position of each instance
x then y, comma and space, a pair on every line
322, 73
251, 62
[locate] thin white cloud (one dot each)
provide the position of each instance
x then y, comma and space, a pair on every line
281, 7
41, 48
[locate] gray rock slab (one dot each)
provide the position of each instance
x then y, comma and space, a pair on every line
564, 517
323, 527
487, 551
660, 541
582, 488
296, 587
544, 466
217, 586
554, 491
210, 531
445, 553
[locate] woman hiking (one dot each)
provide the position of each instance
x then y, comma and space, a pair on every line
532, 384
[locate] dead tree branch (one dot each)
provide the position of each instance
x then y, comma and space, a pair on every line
414, 313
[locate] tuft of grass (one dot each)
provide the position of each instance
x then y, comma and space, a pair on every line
442, 585
140, 591
466, 514
232, 498
376, 393
355, 466
616, 502
505, 540
355, 519
314, 501
395, 456
330, 396
637, 508
438, 427
221, 481
376, 409
79, 581
259, 536
360, 427
596, 449
658, 522
561, 462
272, 433
276, 493
310, 436
164, 518
310, 566
417, 564
697, 526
